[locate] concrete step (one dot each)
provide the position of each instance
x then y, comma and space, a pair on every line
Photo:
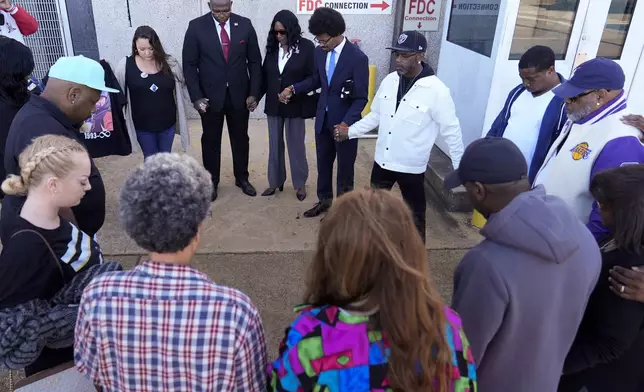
440, 165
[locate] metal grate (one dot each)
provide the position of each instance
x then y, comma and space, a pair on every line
48, 44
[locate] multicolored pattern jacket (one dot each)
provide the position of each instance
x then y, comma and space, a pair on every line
327, 349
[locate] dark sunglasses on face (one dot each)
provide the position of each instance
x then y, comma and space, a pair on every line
577, 97
279, 32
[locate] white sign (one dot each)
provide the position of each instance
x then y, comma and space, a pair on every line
422, 15
476, 7
364, 7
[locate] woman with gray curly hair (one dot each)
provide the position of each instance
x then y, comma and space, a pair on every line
174, 328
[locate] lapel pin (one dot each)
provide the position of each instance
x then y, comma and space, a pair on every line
235, 24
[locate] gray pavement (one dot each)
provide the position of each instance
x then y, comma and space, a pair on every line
263, 245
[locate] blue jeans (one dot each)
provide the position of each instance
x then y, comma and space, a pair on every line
154, 142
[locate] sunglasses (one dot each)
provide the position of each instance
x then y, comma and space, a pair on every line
577, 97
279, 32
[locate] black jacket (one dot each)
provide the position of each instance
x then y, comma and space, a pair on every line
206, 72
105, 132
300, 66
608, 352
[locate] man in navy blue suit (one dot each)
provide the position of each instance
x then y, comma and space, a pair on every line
342, 74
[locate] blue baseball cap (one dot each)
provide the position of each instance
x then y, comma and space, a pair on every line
80, 70
491, 160
596, 74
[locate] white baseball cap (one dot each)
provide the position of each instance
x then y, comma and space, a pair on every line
80, 70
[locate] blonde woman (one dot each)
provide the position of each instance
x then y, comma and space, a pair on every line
153, 84
43, 251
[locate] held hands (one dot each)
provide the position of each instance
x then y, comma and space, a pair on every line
285, 95
634, 120
341, 132
201, 104
627, 283
251, 103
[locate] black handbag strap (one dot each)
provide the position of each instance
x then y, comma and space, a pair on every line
51, 250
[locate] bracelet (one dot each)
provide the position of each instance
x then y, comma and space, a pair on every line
13, 9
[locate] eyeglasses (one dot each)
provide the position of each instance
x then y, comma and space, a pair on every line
577, 97
322, 41
279, 32
221, 12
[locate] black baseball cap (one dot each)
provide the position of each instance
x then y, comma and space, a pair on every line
491, 160
410, 42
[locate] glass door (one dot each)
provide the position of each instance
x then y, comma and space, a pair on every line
615, 29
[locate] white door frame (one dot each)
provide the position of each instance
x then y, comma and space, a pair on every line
61, 6
632, 50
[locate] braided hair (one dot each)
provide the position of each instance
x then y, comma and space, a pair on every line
49, 154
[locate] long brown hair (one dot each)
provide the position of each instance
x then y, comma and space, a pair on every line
370, 257
161, 58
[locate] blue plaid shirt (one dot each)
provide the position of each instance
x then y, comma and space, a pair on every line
167, 327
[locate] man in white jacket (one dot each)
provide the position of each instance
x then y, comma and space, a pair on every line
411, 107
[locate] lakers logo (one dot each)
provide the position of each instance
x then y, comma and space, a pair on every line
581, 151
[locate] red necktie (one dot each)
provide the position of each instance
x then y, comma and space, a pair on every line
225, 40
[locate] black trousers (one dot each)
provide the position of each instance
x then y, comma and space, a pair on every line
327, 149
412, 187
213, 124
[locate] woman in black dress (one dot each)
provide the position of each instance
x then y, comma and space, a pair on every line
289, 59
153, 83
608, 352
16, 64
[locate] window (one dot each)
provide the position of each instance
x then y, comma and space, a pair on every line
616, 28
544, 22
472, 25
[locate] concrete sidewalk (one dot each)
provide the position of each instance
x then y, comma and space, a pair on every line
264, 224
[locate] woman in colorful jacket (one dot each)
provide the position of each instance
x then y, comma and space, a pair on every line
373, 320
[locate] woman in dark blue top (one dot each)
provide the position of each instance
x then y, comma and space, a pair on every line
608, 352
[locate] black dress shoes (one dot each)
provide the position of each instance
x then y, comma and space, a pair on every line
214, 194
318, 209
246, 187
271, 191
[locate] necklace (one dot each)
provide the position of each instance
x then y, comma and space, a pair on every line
404, 90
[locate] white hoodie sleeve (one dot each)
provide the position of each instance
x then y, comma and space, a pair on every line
444, 114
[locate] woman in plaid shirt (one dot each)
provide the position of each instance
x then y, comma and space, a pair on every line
373, 321
164, 326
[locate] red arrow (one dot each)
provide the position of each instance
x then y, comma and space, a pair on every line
383, 6
420, 25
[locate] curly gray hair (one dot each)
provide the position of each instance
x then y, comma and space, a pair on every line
163, 202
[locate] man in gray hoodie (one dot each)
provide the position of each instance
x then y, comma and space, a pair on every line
522, 292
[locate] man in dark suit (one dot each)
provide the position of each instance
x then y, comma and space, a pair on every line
222, 66
342, 73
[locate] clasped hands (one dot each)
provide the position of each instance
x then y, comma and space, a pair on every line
341, 132
285, 95
201, 105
